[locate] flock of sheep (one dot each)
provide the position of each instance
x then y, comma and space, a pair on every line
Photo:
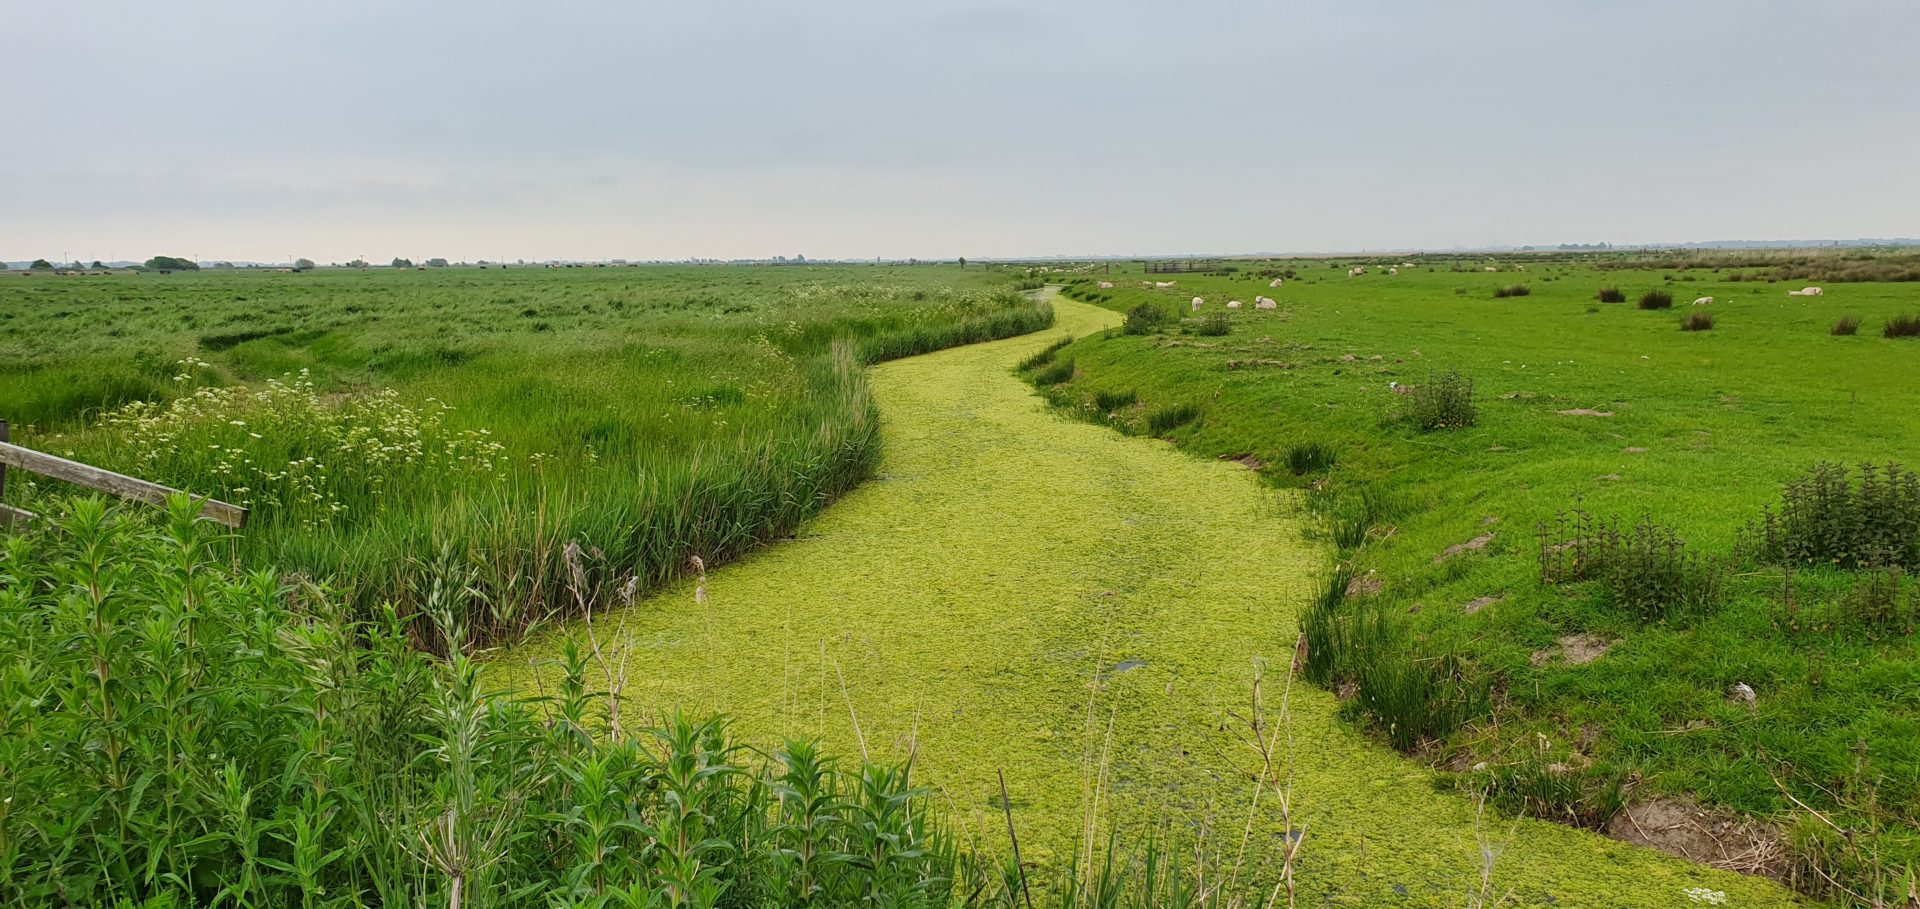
1261, 302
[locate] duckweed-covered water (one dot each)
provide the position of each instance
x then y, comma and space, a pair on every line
1021, 592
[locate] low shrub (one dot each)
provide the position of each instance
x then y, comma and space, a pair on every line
1847, 326
1166, 419
1645, 569
1044, 355
204, 737
1445, 401
1214, 325
1309, 457
1611, 295
1145, 318
1512, 290
1110, 401
1656, 299
1697, 321
1829, 517
1907, 326
1054, 373
1546, 784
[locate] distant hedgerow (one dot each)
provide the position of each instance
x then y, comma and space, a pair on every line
1612, 295
1656, 299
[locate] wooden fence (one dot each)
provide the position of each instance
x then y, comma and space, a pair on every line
1178, 266
91, 477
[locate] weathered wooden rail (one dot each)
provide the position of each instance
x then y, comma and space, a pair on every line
91, 477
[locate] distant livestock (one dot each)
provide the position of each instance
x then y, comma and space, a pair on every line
1196, 303
1274, 283
1703, 301
1233, 304
1393, 271
1356, 271
1805, 292
1163, 283
1263, 303
1491, 268
1106, 285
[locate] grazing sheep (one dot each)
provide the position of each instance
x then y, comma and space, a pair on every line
1196, 303
1804, 292
1393, 271
1406, 265
1233, 304
1106, 285
1703, 301
1264, 303
1274, 283
1356, 271
1163, 283
1491, 268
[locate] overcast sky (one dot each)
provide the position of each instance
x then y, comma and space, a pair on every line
261, 129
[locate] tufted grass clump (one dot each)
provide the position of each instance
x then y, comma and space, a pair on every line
1512, 290
1846, 326
1697, 321
1611, 295
1309, 457
1163, 420
1445, 401
1044, 355
1112, 401
1656, 299
1054, 373
1907, 326
1214, 325
1831, 516
1644, 569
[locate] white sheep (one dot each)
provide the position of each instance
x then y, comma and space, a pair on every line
1233, 304
1263, 303
1356, 271
1274, 283
1106, 285
1804, 292
1491, 268
1393, 271
1163, 283
1196, 303
1703, 301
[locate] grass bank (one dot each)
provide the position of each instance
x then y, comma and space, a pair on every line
1791, 702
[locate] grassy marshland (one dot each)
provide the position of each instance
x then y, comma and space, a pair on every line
384, 423
1618, 684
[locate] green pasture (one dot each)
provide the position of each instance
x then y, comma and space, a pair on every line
1581, 405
